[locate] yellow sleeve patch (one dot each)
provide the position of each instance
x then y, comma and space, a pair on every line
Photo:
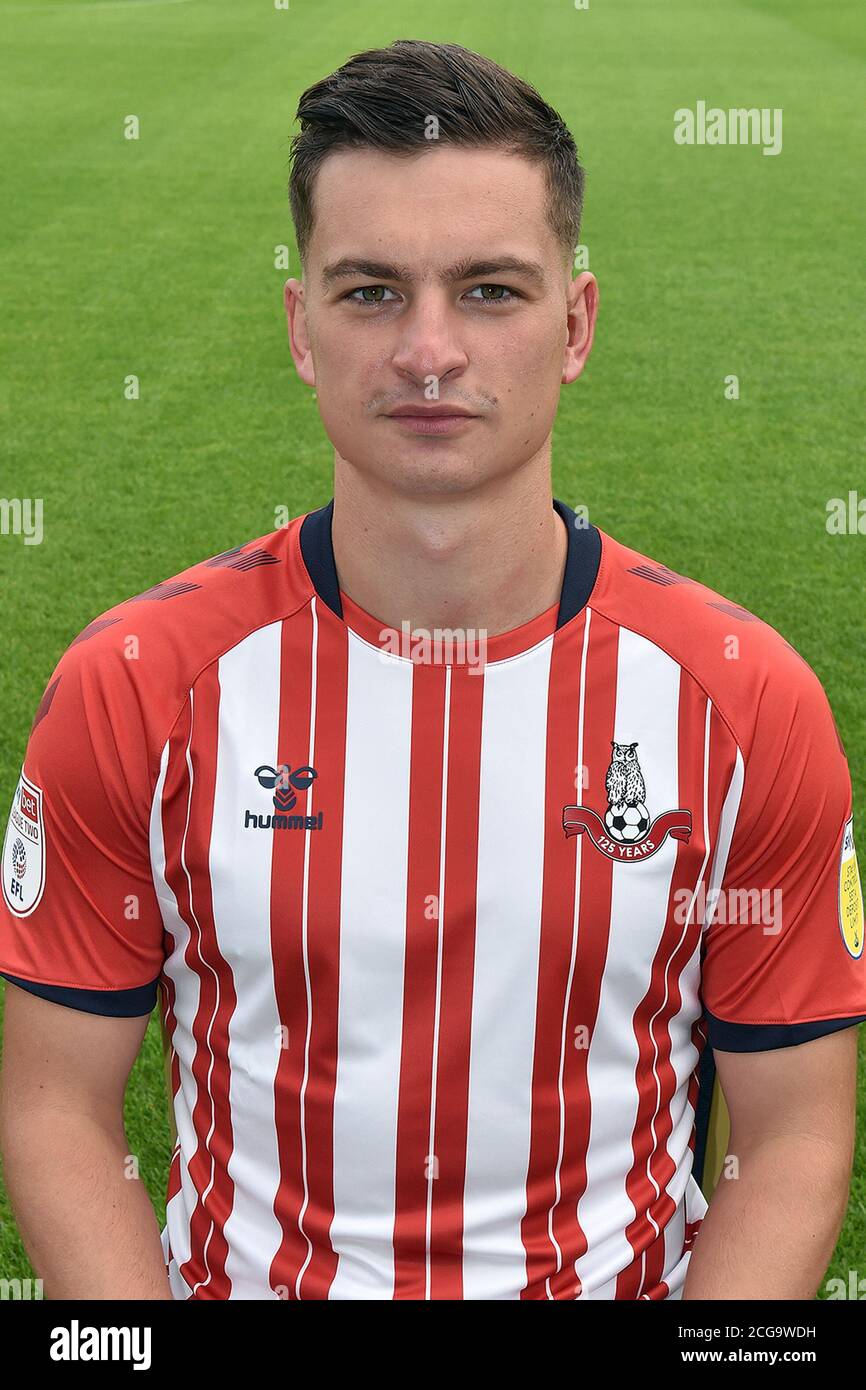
850, 895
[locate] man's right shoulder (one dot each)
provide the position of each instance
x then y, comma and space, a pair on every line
138, 660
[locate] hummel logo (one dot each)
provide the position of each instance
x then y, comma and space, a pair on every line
286, 782
285, 785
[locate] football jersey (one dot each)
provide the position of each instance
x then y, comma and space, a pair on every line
440, 927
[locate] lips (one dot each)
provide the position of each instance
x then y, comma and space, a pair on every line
441, 420
430, 412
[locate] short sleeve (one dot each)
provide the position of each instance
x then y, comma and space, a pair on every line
79, 918
782, 957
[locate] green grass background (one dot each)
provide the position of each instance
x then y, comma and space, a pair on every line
156, 257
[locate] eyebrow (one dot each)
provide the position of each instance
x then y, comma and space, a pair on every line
350, 267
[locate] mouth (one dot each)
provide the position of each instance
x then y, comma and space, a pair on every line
437, 419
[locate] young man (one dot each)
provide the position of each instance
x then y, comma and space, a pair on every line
451, 827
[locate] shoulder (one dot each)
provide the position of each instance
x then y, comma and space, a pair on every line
748, 670
132, 666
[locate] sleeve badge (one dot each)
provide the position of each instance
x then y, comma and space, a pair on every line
850, 895
23, 866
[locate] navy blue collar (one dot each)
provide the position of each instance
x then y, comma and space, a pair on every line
581, 564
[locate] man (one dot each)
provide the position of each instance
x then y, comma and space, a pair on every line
450, 826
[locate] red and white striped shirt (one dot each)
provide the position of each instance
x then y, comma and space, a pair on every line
440, 942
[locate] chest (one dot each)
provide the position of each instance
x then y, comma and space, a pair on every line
479, 844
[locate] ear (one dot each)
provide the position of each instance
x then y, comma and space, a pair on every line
299, 334
582, 302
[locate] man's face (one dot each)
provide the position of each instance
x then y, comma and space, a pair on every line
435, 282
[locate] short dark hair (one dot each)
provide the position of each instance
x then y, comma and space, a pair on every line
384, 98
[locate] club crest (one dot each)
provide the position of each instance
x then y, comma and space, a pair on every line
626, 831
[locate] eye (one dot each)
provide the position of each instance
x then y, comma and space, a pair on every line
505, 297
376, 294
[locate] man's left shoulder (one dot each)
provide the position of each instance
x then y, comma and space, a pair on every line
743, 663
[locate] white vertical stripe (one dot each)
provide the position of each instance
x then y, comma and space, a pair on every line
206, 965
372, 953
647, 713
308, 811
187, 990
694, 1207
504, 1000
684, 1054
440, 925
727, 824
249, 678
578, 863
179, 1210
684, 1188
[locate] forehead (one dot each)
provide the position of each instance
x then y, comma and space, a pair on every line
421, 207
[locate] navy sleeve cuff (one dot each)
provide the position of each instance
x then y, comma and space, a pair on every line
765, 1037
113, 1003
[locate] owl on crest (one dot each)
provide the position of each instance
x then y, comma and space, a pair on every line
624, 781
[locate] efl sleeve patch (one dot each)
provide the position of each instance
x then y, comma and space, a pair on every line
850, 895
24, 850
79, 908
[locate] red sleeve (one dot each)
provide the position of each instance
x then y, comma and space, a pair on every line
783, 952
79, 918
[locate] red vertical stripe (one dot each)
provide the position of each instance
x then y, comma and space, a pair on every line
414, 1162
187, 825
287, 905
699, 1038
722, 755
655, 1079
556, 944
323, 947
561, 1104
596, 877
457, 924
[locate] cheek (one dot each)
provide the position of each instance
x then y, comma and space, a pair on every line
529, 355
356, 360
520, 363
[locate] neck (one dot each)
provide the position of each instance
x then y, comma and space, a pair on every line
489, 559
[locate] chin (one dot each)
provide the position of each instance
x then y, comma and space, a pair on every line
429, 471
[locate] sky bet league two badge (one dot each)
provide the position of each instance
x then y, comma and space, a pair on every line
24, 850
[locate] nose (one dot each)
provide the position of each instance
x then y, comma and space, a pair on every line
429, 342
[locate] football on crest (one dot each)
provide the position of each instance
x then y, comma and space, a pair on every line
627, 823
